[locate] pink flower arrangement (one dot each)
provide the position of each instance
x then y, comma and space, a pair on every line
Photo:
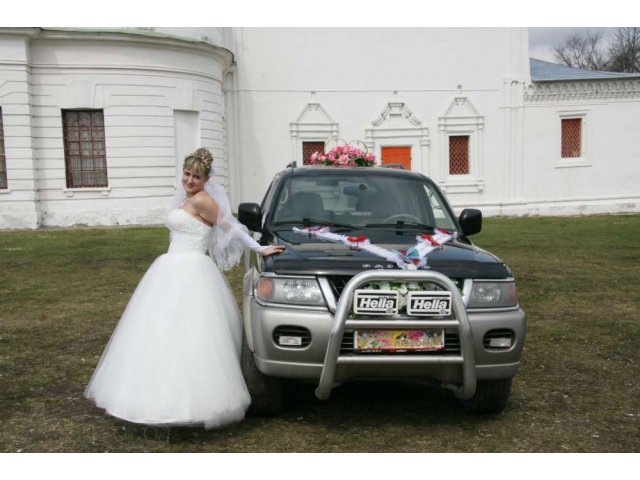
343, 156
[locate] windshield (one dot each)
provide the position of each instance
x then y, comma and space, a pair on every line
350, 200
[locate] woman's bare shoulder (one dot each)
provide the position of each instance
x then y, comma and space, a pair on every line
205, 206
203, 198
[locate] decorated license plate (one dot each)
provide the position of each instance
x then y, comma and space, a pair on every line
398, 340
429, 304
376, 302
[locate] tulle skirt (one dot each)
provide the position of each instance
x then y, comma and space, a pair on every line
174, 357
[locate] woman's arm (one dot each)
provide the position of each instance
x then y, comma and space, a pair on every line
209, 211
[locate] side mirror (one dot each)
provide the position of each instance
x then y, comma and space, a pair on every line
470, 221
250, 215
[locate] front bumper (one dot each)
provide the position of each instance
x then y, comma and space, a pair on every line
326, 360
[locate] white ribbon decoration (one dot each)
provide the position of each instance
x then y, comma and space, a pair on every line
414, 258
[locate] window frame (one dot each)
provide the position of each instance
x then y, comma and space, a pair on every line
582, 160
462, 119
98, 160
314, 124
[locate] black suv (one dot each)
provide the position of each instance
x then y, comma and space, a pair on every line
329, 312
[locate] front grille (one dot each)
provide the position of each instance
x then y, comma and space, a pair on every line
451, 341
338, 282
451, 347
292, 331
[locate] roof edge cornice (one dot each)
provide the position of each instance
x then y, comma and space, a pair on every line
115, 34
584, 90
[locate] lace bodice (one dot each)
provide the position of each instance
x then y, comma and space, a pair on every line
188, 235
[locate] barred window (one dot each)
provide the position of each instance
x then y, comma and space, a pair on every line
84, 148
308, 148
3, 158
571, 137
459, 155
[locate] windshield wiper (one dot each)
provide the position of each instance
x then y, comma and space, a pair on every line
401, 224
318, 222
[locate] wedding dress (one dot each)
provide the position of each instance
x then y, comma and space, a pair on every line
174, 357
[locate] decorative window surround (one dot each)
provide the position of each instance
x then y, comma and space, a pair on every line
314, 124
460, 119
583, 160
397, 126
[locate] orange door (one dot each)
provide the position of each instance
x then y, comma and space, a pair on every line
397, 155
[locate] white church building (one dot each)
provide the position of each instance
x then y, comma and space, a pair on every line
94, 123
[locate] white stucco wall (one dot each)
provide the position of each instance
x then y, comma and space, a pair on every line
253, 95
18, 203
606, 178
416, 75
139, 82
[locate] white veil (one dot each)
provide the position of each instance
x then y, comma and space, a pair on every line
228, 237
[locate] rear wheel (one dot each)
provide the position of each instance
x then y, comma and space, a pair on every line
266, 392
491, 396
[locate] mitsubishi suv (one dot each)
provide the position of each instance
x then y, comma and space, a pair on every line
379, 280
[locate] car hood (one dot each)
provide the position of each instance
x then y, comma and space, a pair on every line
455, 259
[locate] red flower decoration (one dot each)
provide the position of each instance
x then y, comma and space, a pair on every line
359, 239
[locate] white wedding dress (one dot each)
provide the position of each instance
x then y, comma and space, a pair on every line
174, 357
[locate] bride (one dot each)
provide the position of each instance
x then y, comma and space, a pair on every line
174, 357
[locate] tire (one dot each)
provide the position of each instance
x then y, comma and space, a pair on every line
266, 392
491, 397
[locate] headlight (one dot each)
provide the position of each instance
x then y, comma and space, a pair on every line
493, 295
289, 290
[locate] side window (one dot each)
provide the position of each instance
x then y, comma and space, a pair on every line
267, 206
3, 159
440, 217
84, 148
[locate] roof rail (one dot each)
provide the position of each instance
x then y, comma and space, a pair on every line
292, 165
397, 166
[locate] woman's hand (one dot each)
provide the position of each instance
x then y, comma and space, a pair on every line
272, 250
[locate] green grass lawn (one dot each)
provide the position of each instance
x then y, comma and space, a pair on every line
62, 292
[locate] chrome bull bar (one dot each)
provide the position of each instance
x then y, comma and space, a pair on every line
340, 322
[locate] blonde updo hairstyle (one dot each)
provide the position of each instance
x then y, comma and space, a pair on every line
199, 161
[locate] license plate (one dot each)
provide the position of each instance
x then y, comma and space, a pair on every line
376, 302
429, 304
398, 340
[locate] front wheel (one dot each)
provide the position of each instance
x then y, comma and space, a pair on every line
266, 392
491, 396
